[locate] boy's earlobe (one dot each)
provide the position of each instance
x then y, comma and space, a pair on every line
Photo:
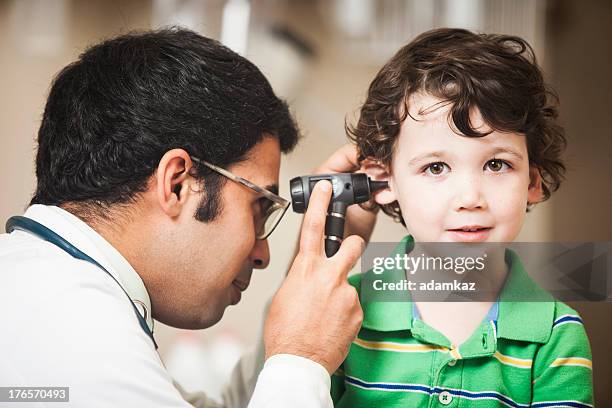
536, 193
380, 172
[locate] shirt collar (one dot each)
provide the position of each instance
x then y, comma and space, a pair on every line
387, 315
86, 239
516, 319
520, 319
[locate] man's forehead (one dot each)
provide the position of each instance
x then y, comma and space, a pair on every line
261, 165
264, 174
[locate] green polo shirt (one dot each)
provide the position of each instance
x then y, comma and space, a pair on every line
523, 354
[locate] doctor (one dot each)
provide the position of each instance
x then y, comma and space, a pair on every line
157, 178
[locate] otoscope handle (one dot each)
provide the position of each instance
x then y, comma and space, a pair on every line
334, 232
331, 247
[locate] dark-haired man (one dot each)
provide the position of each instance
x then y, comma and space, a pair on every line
157, 178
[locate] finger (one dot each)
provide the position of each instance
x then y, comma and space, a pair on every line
351, 249
342, 160
313, 228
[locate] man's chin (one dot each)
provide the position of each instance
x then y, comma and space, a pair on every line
197, 322
212, 319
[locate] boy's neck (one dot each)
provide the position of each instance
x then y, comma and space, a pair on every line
487, 282
458, 320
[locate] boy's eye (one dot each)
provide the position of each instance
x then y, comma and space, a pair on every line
435, 169
497, 165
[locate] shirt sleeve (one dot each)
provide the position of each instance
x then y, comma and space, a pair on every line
284, 381
563, 373
238, 390
292, 381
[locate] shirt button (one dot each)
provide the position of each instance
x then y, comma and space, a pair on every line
445, 398
452, 362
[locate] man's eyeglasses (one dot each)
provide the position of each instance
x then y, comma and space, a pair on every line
273, 207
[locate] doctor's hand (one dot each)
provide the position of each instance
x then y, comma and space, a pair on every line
358, 220
316, 313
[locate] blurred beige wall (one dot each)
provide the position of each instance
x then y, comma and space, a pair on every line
580, 64
333, 86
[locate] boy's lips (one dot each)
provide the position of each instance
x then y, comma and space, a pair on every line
470, 233
471, 227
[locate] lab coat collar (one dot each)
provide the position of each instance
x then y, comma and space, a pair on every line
85, 238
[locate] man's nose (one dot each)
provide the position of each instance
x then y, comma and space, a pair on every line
469, 194
260, 256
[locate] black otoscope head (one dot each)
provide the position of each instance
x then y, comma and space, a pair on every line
348, 188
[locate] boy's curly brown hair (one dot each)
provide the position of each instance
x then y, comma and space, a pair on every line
498, 74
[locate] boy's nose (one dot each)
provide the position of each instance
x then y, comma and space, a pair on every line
469, 195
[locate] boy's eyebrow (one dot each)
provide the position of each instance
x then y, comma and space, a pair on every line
440, 155
421, 157
509, 151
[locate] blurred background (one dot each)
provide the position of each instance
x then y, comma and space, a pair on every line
321, 56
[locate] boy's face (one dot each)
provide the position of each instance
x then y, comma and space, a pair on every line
445, 182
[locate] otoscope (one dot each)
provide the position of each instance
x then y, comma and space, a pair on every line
348, 188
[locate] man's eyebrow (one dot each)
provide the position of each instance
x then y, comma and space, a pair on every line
273, 188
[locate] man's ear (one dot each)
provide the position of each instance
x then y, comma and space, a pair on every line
380, 172
535, 193
172, 177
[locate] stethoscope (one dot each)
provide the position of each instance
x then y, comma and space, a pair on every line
36, 228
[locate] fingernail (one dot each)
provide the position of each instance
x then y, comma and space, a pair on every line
325, 185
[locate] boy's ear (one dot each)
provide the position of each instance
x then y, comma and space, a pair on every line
535, 192
380, 172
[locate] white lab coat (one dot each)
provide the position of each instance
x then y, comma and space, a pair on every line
64, 322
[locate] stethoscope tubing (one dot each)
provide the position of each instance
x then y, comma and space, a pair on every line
35, 228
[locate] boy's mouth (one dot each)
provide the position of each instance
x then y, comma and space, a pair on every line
470, 233
470, 228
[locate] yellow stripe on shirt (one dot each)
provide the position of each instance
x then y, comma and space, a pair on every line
391, 346
513, 361
573, 361
454, 352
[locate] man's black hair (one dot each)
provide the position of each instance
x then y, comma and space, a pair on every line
112, 114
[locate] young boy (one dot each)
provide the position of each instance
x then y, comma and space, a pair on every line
462, 127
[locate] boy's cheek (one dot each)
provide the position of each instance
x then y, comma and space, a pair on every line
426, 209
426, 199
423, 213
510, 210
